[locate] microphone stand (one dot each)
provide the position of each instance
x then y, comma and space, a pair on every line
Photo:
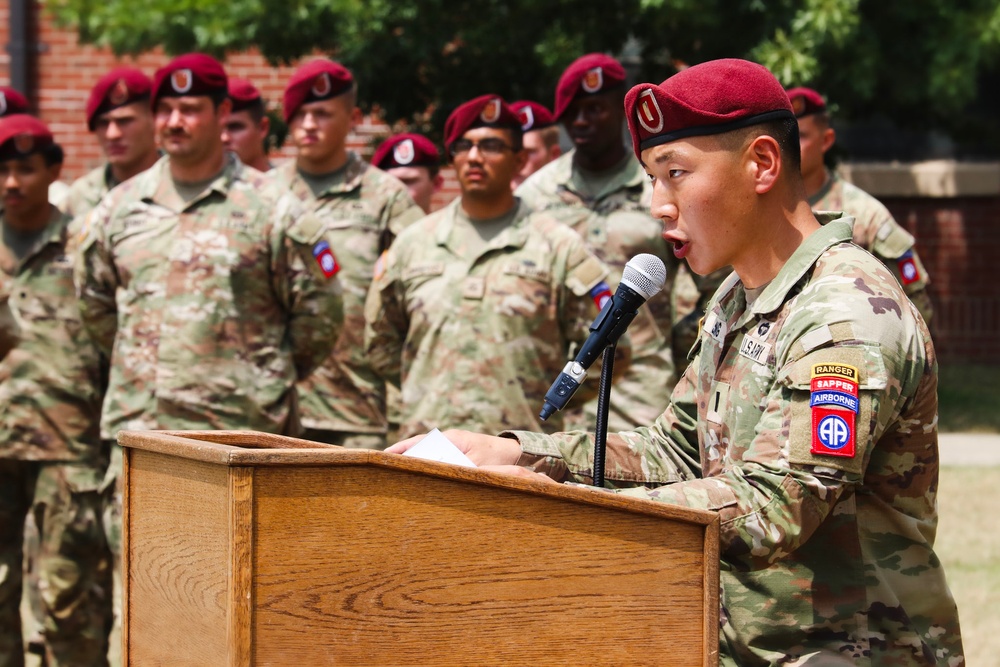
603, 400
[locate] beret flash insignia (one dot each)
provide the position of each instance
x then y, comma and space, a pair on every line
403, 152
322, 85
181, 80
527, 118
24, 142
648, 112
118, 94
593, 80
3, 103
491, 112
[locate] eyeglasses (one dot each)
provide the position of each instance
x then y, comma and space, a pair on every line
488, 146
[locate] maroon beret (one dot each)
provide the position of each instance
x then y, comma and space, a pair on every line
710, 98
242, 93
317, 80
805, 101
588, 75
120, 86
190, 74
533, 115
21, 135
12, 102
406, 150
484, 111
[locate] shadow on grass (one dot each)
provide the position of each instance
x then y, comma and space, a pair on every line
969, 399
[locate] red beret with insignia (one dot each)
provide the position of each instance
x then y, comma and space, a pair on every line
191, 74
711, 98
805, 101
533, 115
12, 102
406, 150
588, 75
317, 80
484, 111
242, 93
120, 86
21, 135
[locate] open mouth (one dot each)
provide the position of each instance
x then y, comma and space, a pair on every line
681, 249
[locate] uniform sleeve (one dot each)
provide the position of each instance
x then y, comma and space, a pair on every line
96, 279
584, 282
664, 453
305, 280
400, 212
895, 247
801, 461
386, 322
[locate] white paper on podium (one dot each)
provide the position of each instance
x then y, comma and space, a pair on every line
436, 447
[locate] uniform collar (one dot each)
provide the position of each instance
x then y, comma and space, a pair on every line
158, 187
831, 180
54, 232
833, 230
514, 236
353, 172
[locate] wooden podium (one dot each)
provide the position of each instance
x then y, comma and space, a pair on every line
242, 548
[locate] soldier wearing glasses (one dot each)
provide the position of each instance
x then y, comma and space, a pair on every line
482, 300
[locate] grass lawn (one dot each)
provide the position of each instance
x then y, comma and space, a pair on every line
969, 400
968, 543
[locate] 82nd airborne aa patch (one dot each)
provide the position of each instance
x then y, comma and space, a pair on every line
833, 398
324, 257
600, 293
908, 271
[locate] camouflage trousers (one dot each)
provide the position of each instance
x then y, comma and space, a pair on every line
111, 500
73, 564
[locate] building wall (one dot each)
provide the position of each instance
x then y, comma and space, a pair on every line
952, 209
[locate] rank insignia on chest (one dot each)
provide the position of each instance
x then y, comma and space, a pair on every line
833, 398
908, 271
324, 257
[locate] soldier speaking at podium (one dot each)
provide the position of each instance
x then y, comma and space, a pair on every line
807, 417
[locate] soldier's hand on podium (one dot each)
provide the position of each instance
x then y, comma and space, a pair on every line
518, 471
483, 450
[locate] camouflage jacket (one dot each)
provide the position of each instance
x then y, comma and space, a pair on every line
87, 191
360, 216
616, 224
210, 311
877, 231
808, 421
50, 383
475, 341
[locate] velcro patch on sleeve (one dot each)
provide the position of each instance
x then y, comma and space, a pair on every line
324, 257
832, 432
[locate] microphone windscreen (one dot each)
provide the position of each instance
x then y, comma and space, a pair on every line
646, 274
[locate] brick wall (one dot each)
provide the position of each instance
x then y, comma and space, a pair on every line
958, 239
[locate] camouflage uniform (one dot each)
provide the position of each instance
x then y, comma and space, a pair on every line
826, 558
344, 400
876, 231
51, 455
477, 340
616, 225
211, 310
87, 191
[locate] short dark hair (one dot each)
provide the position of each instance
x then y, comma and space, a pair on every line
256, 110
785, 131
53, 154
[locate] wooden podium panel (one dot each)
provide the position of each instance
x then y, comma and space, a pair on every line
261, 550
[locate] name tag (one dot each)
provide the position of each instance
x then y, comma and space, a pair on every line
755, 349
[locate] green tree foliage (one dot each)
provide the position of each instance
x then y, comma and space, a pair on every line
923, 64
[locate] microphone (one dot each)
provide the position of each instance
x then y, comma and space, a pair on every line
643, 277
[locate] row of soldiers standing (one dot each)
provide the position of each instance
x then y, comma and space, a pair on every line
210, 295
